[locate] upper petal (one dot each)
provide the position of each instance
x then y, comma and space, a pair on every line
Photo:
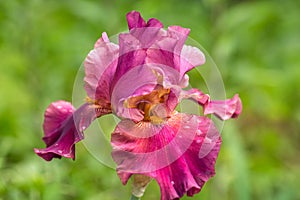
170, 153
64, 126
100, 66
102, 40
135, 20
190, 58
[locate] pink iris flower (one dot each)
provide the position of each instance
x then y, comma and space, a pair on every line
141, 80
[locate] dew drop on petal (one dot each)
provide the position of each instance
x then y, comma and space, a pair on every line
83, 127
59, 107
56, 145
198, 141
186, 126
172, 182
59, 151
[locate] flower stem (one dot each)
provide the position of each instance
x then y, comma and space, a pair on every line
134, 197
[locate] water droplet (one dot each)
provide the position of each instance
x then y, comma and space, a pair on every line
186, 126
83, 127
59, 151
56, 144
180, 136
198, 141
59, 107
198, 132
172, 182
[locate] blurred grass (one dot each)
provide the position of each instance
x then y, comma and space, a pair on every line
255, 44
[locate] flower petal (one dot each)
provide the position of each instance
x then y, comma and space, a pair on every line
137, 81
190, 58
224, 109
102, 40
100, 66
196, 95
135, 20
141, 80
153, 45
64, 126
169, 153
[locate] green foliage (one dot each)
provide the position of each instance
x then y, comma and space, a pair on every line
255, 44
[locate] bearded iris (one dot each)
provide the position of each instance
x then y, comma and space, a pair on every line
141, 80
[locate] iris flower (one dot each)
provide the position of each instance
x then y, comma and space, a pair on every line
141, 80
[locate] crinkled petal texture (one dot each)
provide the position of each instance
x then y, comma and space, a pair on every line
230, 108
169, 153
223, 109
100, 66
148, 56
142, 81
64, 126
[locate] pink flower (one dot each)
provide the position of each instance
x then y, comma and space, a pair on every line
141, 80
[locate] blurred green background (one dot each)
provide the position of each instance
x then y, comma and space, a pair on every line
256, 45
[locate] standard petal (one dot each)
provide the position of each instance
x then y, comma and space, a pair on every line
102, 40
139, 80
135, 20
142, 80
64, 126
190, 58
100, 66
169, 153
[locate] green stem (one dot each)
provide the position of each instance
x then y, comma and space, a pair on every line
134, 197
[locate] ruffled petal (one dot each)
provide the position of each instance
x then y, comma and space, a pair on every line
137, 81
169, 153
102, 40
196, 95
154, 23
148, 43
190, 58
63, 127
55, 114
135, 20
224, 109
142, 80
100, 66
